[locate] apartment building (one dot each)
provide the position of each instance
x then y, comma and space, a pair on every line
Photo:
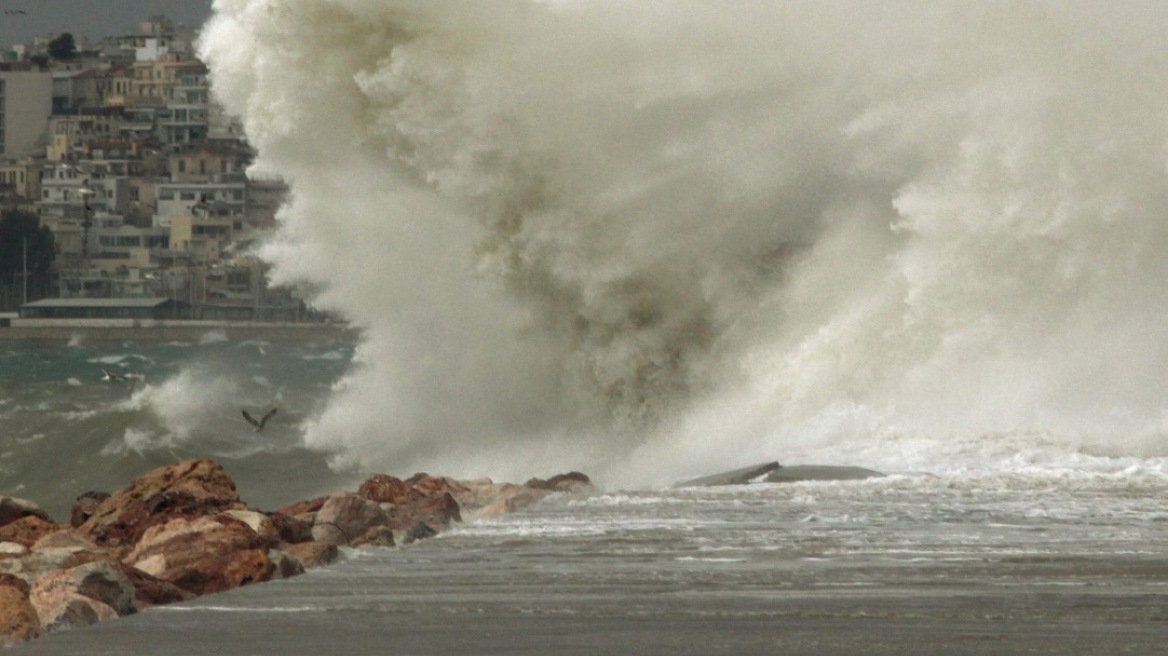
26, 101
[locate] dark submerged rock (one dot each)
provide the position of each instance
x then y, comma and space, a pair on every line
733, 477
801, 473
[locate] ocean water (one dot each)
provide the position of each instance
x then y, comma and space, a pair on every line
1061, 557
655, 240
68, 431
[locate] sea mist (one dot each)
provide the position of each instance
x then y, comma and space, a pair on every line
648, 239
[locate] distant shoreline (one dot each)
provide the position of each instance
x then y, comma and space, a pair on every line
104, 330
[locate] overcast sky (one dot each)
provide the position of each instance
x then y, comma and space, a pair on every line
91, 19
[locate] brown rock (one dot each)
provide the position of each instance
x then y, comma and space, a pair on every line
313, 554
387, 489
291, 529
286, 565
257, 521
85, 506
151, 590
302, 507
14, 508
81, 596
480, 494
376, 536
190, 488
27, 530
434, 486
346, 517
203, 554
570, 482
100, 580
18, 618
69, 611
437, 512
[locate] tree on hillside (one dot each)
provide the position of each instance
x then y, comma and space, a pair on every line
20, 230
63, 48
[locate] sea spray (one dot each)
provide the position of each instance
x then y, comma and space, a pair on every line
575, 231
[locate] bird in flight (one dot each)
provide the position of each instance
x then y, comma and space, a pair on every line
110, 376
258, 423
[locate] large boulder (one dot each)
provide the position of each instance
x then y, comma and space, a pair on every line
191, 488
292, 529
312, 554
203, 555
18, 617
27, 530
152, 591
99, 580
383, 488
436, 512
84, 595
346, 517
14, 508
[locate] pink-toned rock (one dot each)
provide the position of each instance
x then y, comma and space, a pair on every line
483, 497
436, 512
81, 596
313, 554
12, 550
68, 610
345, 517
257, 521
190, 488
436, 486
203, 554
100, 580
18, 618
383, 488
376, 536
14, 508
27, 530
65, 539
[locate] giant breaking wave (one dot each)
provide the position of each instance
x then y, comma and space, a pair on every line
614, 233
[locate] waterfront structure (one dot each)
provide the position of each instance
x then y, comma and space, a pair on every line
106, 308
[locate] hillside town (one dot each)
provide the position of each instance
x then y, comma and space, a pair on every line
139, 177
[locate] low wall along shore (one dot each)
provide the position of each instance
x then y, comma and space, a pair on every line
166, 330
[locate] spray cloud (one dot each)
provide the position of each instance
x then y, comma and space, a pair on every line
575, 231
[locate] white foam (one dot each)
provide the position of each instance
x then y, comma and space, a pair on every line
650, 239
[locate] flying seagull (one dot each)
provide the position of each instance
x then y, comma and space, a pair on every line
259, 425
134, 378
111, 376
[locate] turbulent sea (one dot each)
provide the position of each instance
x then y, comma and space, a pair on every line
1063, 556
651, 241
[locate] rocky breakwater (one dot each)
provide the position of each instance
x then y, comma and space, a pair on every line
181, 531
